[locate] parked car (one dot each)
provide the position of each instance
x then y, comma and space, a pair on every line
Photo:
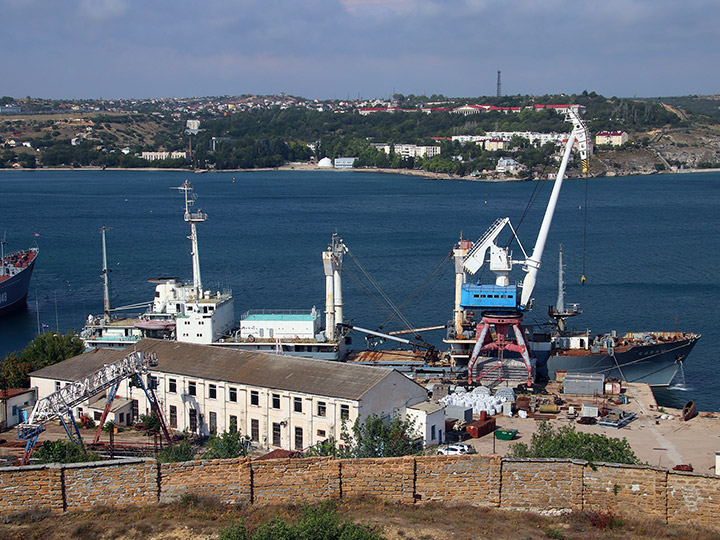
457, 449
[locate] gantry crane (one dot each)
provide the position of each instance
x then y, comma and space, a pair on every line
502, 304
60, 403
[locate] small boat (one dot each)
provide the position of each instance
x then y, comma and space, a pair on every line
505, 434
689, 411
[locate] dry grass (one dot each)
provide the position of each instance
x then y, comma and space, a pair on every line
195, 518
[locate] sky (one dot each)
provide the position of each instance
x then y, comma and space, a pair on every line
339, 49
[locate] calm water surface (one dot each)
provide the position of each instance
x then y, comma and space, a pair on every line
651, 258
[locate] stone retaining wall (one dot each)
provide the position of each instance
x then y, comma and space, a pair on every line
533, 484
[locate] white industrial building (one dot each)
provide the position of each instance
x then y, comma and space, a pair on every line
280, 401
281, 324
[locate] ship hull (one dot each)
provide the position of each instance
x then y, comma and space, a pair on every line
14, 289
653, 364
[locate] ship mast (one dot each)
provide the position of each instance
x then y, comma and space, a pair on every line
193, 218
106, 276
2, 253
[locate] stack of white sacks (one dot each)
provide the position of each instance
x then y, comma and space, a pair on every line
480, 399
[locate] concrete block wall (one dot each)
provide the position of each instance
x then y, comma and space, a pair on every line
534, 484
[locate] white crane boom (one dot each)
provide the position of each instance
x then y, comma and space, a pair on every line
580, 134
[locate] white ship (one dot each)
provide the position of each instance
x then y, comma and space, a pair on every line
182, 311
188, 313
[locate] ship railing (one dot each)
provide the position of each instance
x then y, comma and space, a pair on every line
277, 312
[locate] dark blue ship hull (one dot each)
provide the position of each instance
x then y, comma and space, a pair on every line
14, 287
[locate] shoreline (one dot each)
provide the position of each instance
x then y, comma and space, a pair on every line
313, 167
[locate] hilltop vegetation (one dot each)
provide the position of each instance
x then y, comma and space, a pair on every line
253, 132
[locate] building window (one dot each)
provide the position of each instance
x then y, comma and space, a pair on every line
276, 434
212, 391
57, 385
321, 408
213, 422
255, 429
298, 438
173, 416
297, 404
344, 412
233, 394
432, 433
233, 424
135, 410
97, 415
192, 424
254, 398
276, 401
192, 389
172, 386
121, 418
321, 433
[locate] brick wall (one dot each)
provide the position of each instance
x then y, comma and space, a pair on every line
33, 487
534, 484
132, 481
470, 479
294, 480
627, 490
219, 478
546, 483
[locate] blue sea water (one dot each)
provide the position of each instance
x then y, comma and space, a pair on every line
651, 246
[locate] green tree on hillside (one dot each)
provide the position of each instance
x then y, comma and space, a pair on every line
45, 350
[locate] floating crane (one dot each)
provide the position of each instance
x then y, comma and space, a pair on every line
59, 404
502, 304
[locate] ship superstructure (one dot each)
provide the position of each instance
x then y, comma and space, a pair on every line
15, 271
182, 311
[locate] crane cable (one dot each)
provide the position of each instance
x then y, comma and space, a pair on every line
381, 292
418, 290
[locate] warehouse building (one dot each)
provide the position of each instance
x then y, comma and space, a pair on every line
280, 401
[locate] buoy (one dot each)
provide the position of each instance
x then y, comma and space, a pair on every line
582, 279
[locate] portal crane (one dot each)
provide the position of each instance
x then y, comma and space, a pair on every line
502, 304
60, 403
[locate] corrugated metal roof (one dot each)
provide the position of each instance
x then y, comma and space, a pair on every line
290, 373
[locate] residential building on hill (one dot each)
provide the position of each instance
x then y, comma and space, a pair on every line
613, 138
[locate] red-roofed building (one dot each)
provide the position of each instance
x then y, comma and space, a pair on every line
12, 403
612, 138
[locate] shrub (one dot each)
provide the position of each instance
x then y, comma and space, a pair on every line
321, 522
230, 444
568, 443
62, 451
183, 451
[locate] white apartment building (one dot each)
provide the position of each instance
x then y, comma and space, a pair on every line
280, 401
410, 150
152, 156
